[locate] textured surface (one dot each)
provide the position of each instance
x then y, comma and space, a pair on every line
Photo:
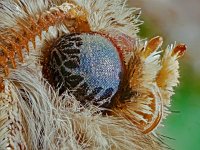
48, 120
86, 64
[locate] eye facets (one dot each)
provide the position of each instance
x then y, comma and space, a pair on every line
88, 65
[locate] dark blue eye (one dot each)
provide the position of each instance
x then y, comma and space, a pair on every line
88, 65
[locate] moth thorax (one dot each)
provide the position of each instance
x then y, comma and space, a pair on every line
87, 65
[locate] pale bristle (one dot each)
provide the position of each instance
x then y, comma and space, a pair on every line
149, 81
168, 76
55, 122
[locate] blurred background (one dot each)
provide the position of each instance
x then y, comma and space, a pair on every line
178, 20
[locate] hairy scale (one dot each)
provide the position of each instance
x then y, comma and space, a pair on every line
13, 43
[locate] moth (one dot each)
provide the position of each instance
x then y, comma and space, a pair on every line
75, 75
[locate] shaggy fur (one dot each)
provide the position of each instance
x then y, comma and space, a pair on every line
34, 116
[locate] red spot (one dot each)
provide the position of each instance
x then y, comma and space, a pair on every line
180, 49
122, 42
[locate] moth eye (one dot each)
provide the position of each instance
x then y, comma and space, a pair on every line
86, 64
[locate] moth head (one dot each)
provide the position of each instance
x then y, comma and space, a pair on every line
94, 55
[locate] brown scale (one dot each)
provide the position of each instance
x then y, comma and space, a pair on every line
151, 121
14, 41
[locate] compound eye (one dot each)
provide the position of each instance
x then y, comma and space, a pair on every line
86, 64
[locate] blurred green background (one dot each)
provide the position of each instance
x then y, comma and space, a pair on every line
183, 125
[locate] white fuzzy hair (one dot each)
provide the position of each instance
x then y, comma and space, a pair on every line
40, 119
